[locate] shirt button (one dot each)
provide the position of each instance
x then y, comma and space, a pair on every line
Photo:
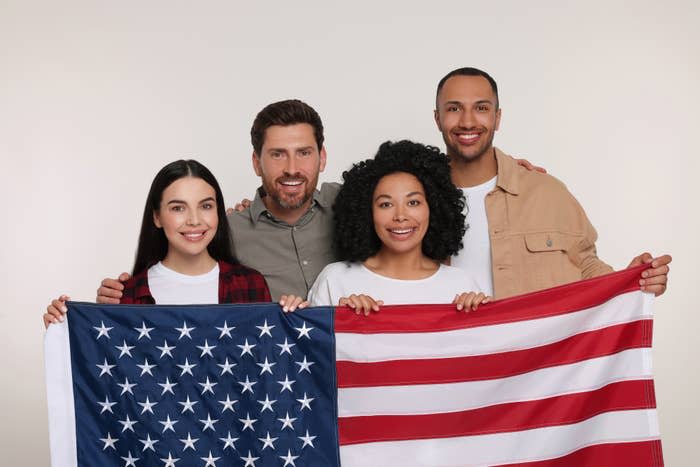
304, 262
549, 242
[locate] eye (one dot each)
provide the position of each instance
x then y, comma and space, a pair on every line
384, 204
306, 152
208, 206
414, 202
177, 208
452, 108
276, 155
482, 108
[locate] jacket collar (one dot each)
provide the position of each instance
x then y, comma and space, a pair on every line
508, 179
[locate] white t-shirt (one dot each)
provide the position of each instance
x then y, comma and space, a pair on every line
343, 279
475, 257
169, 287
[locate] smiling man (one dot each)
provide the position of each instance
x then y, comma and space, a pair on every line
526, 230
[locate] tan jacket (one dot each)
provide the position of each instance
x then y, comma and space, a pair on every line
540, 235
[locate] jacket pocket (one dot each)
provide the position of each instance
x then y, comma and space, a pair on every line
550, 241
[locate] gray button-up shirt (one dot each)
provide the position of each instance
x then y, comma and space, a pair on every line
289, 256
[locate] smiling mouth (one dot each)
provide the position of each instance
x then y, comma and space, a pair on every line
468, 138
193, 236
403, 231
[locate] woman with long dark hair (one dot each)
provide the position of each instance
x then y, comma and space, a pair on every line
184, 249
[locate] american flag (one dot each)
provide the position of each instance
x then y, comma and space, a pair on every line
214, 385
560, 377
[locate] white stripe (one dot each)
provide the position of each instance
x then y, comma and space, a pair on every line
502, 448
489, 339
59, 395
452, 397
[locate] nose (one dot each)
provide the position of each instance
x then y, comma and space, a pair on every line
291, 165
466, 118
399, 214
193, 217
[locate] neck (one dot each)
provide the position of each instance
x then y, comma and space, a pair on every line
473, 172
290, 216
412, 265
189, 265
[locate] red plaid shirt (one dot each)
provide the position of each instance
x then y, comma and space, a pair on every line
237, 284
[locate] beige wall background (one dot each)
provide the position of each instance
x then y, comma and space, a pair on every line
96, 96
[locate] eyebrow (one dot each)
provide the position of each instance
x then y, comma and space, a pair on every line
413, 193
179, 201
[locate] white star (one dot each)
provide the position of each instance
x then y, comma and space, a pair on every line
247, 385
186, 367
250, 460
304, 331
287, 422
266, 367
128, 424
268, 442
148, 443
265, 329
267, 404
126, 387
308, 440
170, 461
210, 460
167, 386
146, 367
229, 442
107, 405
124, 349
226, 367
106, 368
246, 348
286, 347
207, 386
226, 330
147, 406
289, 459
184, 330
165, 350
209, 423
305, 403
206, 349
103, 330
189, 442
305, 365
143, 331
247, 422
286, 384
187, 405
228, 404
168, 424
130, 461
109, 442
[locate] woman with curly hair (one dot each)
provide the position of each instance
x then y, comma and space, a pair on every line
397, 218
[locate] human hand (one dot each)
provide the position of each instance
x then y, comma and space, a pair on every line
470, 300
528, 165
654, 279
361, 303
56, 311
289, 303
110, 290
242, 206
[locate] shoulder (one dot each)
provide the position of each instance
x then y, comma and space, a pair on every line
328, 192
529, 180
339, 268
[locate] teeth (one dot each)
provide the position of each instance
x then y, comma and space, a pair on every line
194, 235
401, 231
292, 182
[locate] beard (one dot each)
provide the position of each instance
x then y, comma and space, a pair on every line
470, 153
286, 201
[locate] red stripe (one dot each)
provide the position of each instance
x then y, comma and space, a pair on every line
634, 454
560, 300
513, 416
583, 346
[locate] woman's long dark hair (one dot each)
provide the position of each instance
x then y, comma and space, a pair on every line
153, 245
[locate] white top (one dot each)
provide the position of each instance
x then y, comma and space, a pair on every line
475, 257
169, 287
343, 279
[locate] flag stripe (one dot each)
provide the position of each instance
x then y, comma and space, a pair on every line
558, 410
433, 318
580, 347
511, 447
487, 339
637, 454
452, 397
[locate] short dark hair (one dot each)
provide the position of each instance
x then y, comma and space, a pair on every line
355, 237
285, 113
153, 245
468, 71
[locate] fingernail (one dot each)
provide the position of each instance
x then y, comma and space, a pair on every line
64, 309
641, 282
60, 319
459, 306
645, 274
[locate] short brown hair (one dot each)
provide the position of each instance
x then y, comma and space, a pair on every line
285, 113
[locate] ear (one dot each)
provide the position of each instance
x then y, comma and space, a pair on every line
322, 159
436, 116
156, 220
498, 119
256, 164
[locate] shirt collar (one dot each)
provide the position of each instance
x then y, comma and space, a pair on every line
507, 173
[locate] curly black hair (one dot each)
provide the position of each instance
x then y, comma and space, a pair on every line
355, 237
